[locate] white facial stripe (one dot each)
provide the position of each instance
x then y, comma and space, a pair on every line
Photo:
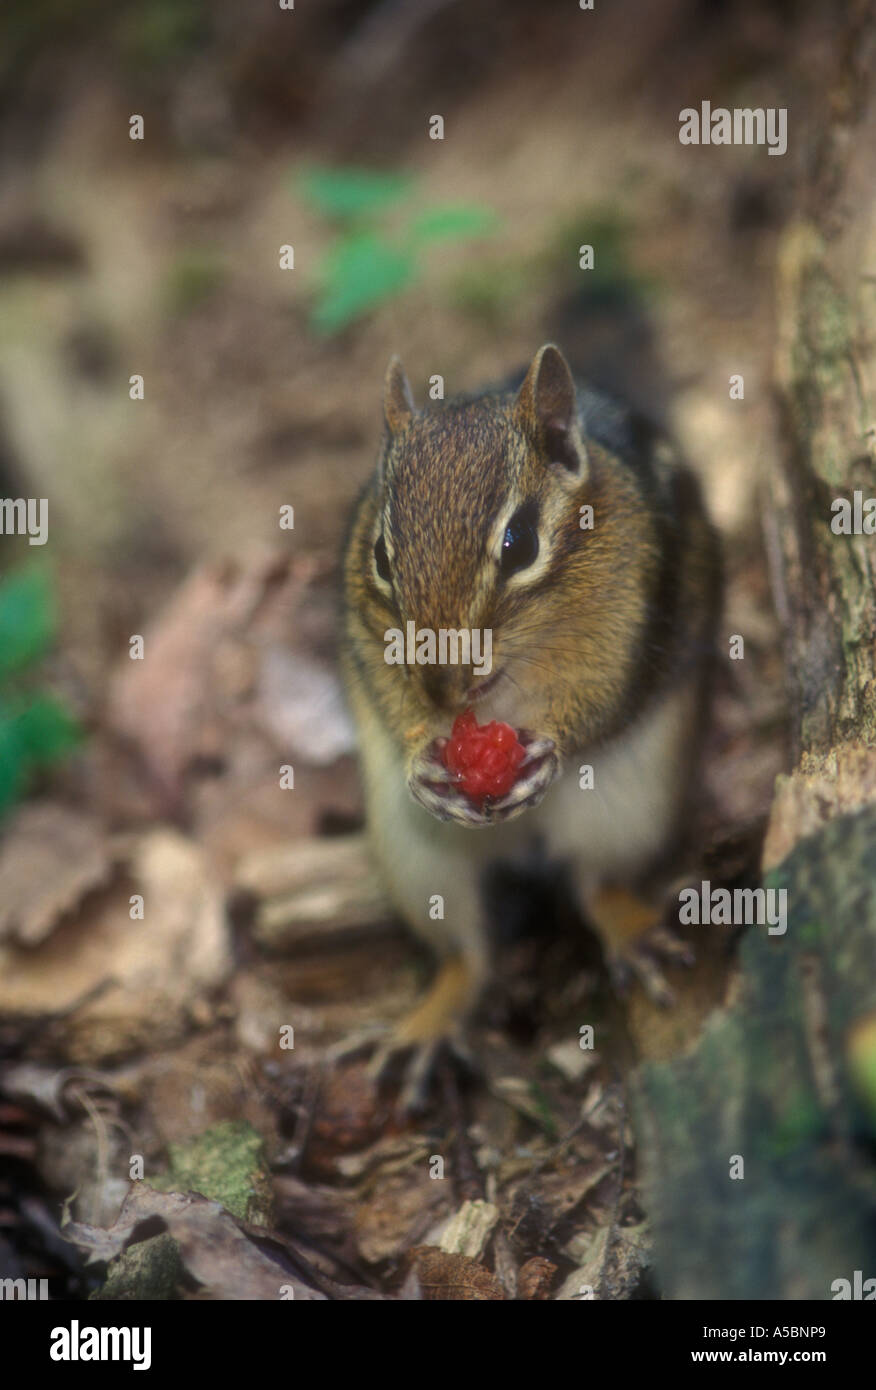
522, 579
382, 530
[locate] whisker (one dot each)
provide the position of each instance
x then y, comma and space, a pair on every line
552, 672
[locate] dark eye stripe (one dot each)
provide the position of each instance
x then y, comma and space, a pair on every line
520, 542
381, 560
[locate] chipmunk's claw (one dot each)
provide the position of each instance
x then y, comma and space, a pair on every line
410, 1051
643, 960
534, 776
414, 1066
437, 789
358, 1044
431, 783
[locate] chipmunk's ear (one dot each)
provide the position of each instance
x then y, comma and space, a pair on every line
398, 401
547, 407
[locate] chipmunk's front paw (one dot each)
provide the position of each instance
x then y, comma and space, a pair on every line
438, 789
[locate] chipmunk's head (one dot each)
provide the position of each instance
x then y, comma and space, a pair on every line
493, 518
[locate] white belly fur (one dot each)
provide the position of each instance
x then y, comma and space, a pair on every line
608, 833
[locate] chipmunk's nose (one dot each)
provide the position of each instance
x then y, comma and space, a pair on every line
445, 685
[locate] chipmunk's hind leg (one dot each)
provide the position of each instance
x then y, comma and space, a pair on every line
636, 943
411, 1048
434, 1028
442, 1008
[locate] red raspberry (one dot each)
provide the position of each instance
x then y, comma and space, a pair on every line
484, 759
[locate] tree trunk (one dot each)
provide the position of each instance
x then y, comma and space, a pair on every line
785, 1077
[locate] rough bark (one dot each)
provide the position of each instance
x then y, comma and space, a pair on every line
786, 1075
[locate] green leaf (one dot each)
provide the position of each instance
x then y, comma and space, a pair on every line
35, 731
346, 194
46, 730
453, 223
360, 272
27, 618
12, 763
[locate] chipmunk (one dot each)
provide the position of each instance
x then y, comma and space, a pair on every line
601, 651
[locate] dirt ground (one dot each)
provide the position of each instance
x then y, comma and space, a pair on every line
165, 1039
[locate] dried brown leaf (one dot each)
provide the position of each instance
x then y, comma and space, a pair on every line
215, 1251
113, 983
50, 857
454, 1277
534, 1279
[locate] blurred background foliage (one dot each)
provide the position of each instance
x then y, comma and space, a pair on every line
310, 128
367, 262
36, 729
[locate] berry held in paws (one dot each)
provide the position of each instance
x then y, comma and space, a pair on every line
483, 758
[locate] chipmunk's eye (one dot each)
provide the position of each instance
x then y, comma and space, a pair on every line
381, 560
520, 543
